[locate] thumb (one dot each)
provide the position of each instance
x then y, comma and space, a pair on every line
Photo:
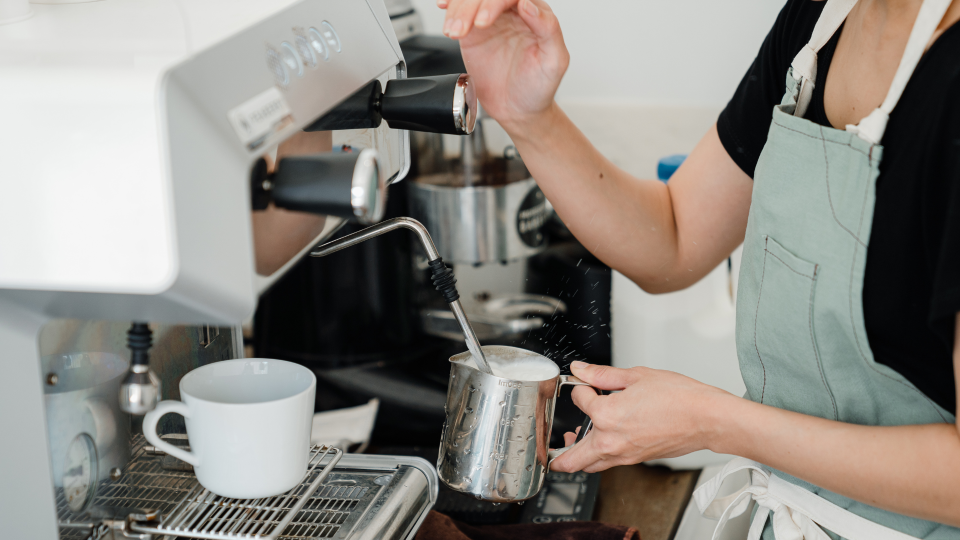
544, 24
604, 377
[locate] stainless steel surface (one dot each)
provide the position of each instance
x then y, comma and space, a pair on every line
465, 105
402, 494
353, 501
84, 401
482, 224
201, 514
470, 338
473, 344
376, 230
473, 153
368, 189
495, 439
139, 391
498, 316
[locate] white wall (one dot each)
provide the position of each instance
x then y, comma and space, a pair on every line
653, 52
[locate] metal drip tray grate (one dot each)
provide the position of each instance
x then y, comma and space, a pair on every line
369, 498
202, 514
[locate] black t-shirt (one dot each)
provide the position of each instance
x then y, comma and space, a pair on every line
911, 289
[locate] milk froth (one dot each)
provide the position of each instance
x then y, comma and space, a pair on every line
519, 369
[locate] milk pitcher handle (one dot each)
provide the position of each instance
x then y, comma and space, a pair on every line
150, 430
570, 380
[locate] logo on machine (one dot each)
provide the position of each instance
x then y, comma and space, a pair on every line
531, 217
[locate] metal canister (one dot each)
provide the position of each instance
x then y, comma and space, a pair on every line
497, 430
482, 224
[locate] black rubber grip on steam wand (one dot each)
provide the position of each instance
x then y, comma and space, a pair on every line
444, 281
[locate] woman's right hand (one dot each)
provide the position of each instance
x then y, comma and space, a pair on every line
515, 53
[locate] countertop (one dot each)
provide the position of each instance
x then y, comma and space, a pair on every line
650, 499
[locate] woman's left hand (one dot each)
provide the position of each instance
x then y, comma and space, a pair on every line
658, 414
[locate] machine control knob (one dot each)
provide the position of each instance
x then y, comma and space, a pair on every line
330, 35
291, 59
344, 184
318, 43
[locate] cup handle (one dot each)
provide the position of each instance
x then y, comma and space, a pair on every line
570, 380
150, 430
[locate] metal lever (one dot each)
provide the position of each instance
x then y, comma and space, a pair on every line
442, 276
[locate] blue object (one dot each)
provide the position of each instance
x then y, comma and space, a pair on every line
669, 165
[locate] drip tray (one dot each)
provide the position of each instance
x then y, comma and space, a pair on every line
342, 496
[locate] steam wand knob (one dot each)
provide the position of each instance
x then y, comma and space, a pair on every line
140, 389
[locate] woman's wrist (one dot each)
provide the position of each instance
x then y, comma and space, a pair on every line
718, 422
533, 128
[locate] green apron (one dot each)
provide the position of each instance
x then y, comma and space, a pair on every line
801, 338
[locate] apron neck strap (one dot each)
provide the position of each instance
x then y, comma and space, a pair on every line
872, 127
805, 63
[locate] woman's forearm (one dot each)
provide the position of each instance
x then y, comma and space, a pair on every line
912, 470
663, 238
612, 214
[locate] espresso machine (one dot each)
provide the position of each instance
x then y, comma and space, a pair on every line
167, 163
370, 325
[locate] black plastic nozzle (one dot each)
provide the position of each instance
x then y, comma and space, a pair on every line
444, 281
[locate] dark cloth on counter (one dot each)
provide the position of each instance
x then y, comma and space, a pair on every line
440, 527
911, 288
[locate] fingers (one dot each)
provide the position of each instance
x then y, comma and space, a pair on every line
462, 15
586, 455
489, 10
540, 18
605, 377
586, 399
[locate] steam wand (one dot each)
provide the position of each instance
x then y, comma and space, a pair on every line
140, 389
442, 277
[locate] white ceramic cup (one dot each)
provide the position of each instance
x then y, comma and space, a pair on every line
248, 422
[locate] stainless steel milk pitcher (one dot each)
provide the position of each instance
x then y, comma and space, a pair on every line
497, 432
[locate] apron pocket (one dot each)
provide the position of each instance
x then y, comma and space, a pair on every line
785, 337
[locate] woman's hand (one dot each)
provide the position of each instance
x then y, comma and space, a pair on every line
658, 414
515, 53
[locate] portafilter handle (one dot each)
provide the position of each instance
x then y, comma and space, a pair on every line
349, 185
442, 277
440, 104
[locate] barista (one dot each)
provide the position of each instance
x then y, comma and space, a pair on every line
844, 186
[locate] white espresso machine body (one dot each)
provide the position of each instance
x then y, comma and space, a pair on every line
130, 131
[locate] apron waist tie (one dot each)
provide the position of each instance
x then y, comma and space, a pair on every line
798, 514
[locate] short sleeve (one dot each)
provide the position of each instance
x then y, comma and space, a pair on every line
744, 123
